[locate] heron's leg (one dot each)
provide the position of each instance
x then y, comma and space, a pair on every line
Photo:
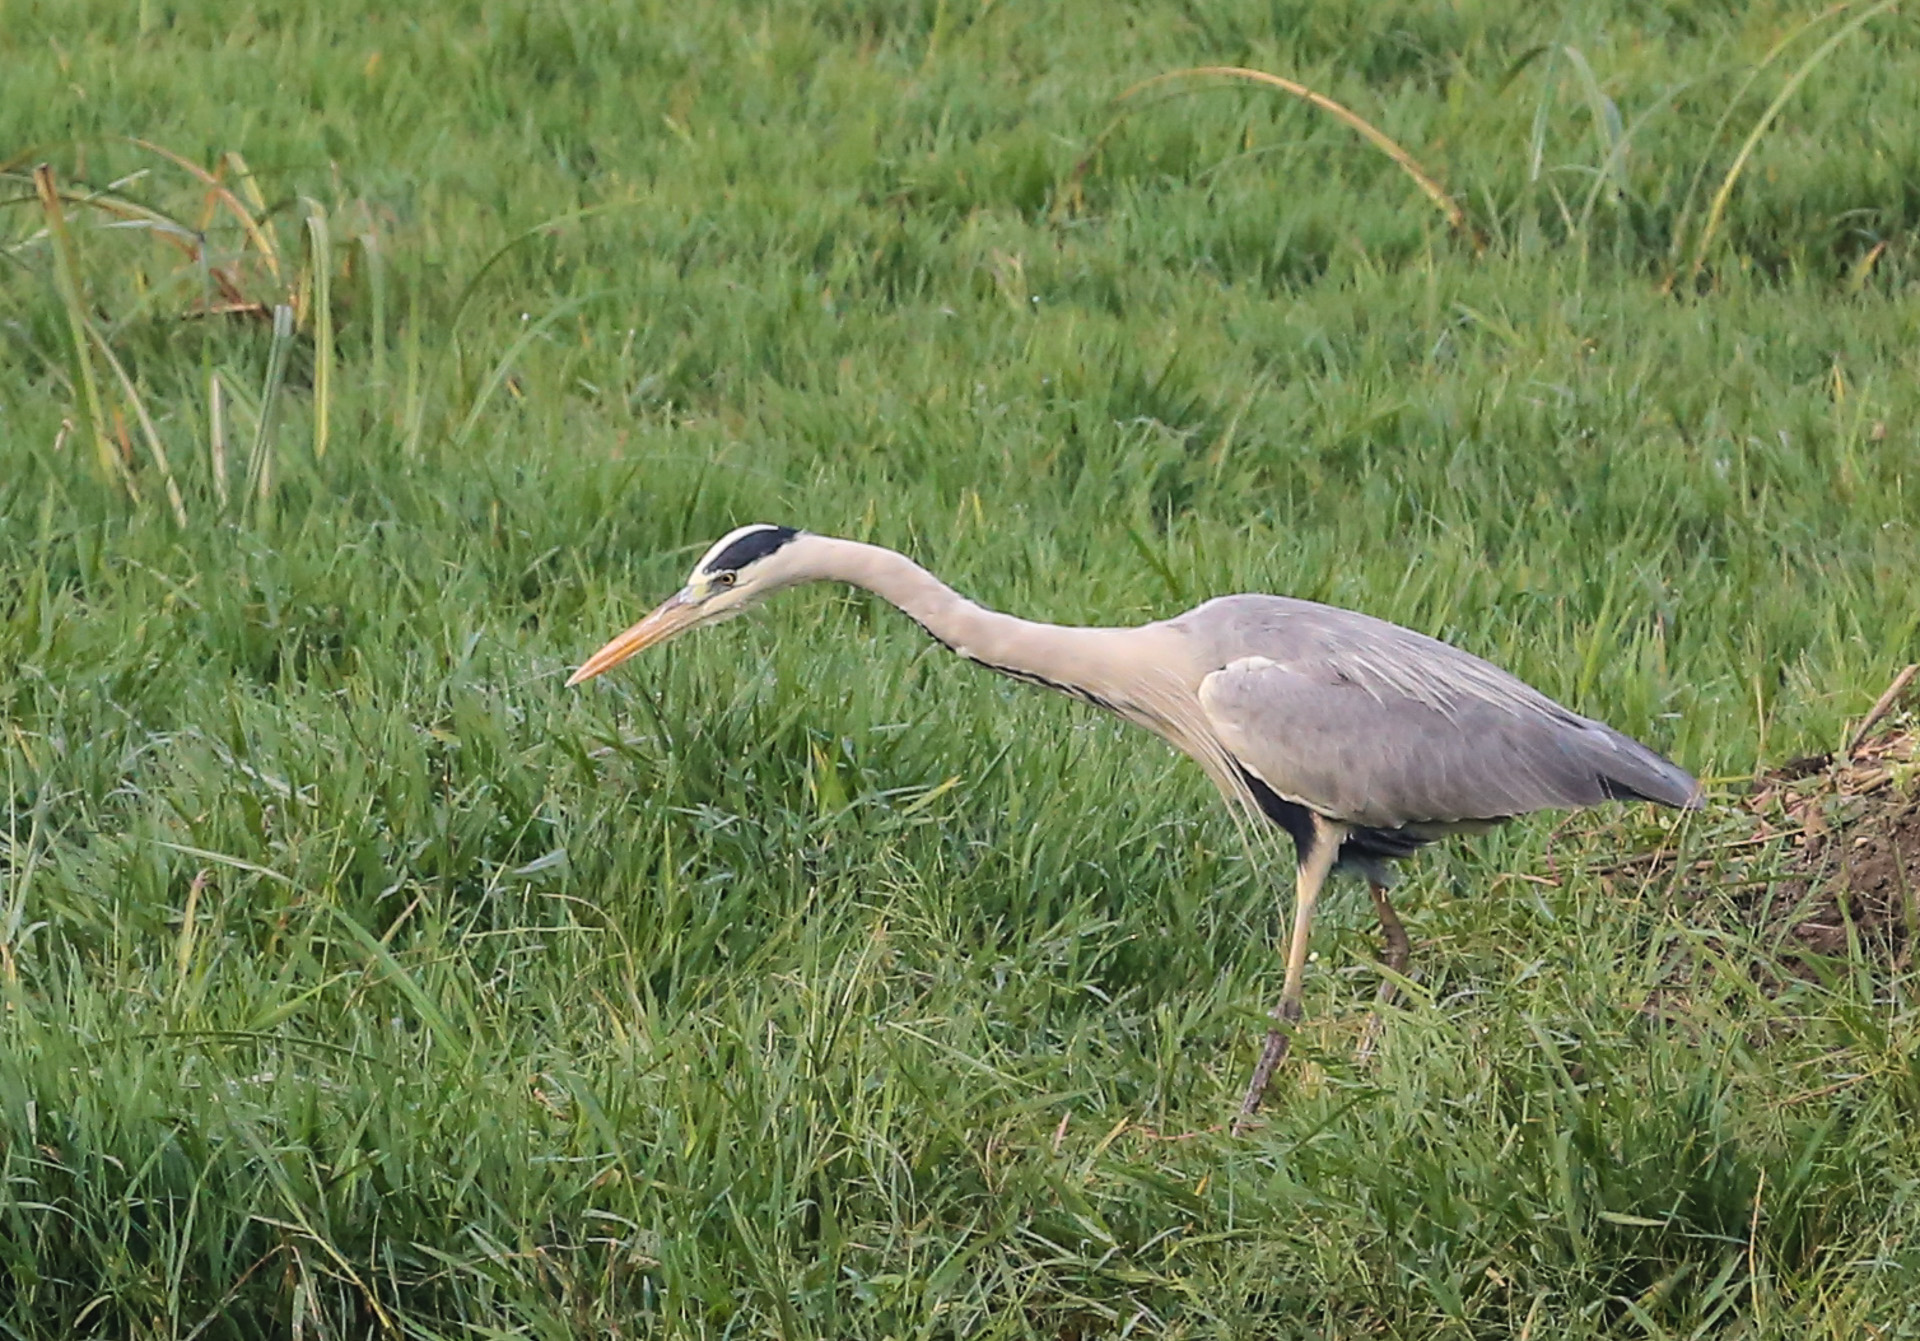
1314, 865
1396, 949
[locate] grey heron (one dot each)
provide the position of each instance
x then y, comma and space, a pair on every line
1361, 739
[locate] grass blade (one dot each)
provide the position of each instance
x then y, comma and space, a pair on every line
1617, 155
147, 430
1718, 209
431, 1014
374, 260
413, 412
317, 287
261, 236
1607, 128
1726, 115
260, 458
131, 214
1542, 116
1426, 181
66, 269
218, 191
217, 438
500, 370
417, 376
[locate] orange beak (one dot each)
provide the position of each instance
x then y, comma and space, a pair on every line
673, 615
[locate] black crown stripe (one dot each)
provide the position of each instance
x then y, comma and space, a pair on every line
750, 548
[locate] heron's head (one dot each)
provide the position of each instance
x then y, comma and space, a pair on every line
743, 567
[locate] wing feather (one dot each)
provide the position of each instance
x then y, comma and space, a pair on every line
1376, 725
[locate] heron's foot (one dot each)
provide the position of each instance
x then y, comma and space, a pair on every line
1376, 1025
1279, 1038
1395, 950
1369, 1038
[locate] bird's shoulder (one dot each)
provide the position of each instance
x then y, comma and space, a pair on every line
1268, 644
1290, 624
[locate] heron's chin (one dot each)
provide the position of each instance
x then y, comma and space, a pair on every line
673, 616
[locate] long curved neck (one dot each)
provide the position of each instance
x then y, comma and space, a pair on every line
1054, 654
1148, 675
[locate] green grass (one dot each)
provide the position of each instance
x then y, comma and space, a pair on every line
355, 978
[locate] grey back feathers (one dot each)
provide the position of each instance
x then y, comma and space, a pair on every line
1375, 725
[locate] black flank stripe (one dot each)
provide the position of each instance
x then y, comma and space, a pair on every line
1297, 820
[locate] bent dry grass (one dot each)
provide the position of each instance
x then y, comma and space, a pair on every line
358, 980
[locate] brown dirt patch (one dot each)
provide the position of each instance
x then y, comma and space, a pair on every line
1842, 838
1820, 859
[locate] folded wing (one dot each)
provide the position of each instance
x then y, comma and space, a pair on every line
1375, 725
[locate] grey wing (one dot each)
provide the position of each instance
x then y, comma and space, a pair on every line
1375, 725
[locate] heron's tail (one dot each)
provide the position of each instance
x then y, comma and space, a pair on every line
1636, 773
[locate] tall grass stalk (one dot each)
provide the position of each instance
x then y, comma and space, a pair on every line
155, 447
1425, 180
217, 438
260, 469
316, 290
66, 269
1717, 210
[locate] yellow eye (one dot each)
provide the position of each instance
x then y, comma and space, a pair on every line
725, 579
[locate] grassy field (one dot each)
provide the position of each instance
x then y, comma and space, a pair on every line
359, 980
